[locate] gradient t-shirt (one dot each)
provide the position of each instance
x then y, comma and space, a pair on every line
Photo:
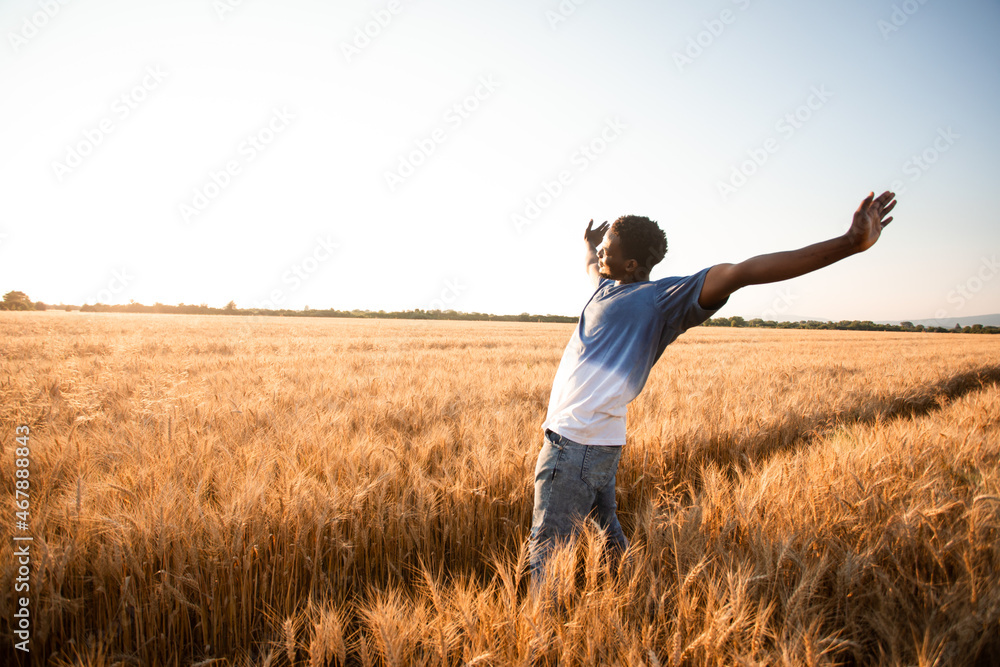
622, 332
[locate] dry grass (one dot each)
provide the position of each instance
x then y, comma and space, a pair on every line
214, 491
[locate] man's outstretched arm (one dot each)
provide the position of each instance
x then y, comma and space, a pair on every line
869, 220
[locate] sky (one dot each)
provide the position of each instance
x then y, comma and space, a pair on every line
402, 154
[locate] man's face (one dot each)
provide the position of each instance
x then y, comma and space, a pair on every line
610, 262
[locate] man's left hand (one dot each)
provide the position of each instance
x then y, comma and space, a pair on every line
868, 220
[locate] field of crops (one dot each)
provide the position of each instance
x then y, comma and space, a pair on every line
276, 491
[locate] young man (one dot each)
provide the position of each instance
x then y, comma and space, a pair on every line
622, 332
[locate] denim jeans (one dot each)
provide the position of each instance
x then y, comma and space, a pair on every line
572, 481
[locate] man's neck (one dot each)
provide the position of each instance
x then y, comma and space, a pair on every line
628, 280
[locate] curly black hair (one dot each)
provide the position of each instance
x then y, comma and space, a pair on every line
641, 240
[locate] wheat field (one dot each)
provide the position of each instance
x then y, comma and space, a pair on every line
274, 491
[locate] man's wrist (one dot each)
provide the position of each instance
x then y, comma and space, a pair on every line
851, 244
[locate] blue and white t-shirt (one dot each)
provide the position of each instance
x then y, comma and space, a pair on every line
622, 332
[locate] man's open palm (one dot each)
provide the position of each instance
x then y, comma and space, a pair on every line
595, 236
870, 220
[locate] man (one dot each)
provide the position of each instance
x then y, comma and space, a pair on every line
622, 332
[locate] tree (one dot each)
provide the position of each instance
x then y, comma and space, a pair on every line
231, 305
16, 301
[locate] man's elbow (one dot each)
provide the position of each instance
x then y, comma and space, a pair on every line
594, 274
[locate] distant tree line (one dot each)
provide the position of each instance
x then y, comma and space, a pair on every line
20, 301
845, 325
231, 309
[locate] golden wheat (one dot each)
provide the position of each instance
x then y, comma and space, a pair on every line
316, 491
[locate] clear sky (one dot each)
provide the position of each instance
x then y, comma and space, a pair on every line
442, 153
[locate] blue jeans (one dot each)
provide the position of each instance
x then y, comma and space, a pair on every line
573, 481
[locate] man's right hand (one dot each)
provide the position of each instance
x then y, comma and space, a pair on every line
595, 236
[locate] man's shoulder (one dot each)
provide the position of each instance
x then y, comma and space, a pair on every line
678, 294
669, 280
